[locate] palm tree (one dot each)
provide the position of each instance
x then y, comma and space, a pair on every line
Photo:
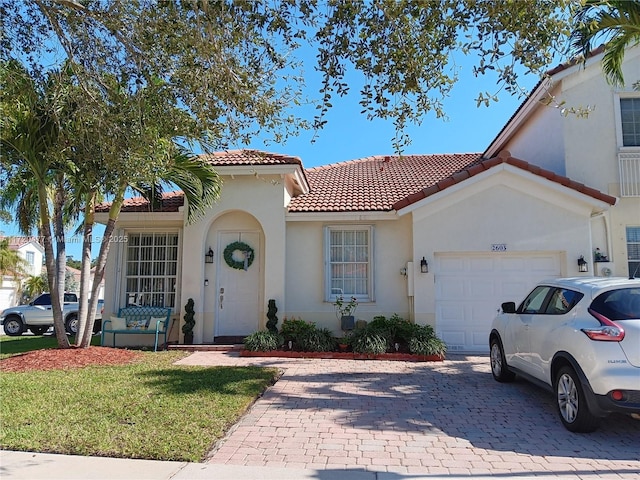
34, 285
29, 139
617, 23
11, 263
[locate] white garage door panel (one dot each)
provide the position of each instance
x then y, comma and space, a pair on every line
471, 287
453, 264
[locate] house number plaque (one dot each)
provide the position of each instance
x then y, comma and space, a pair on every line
498, 247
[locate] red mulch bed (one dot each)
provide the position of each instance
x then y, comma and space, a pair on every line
67, 358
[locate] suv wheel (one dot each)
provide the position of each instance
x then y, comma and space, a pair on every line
499, 367
71, 324
571, 402
13, 326
39, 330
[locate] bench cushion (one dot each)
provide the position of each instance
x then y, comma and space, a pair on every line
153, 323
118, 323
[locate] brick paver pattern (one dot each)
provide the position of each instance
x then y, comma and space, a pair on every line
444, 418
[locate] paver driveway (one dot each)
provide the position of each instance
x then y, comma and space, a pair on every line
445, 418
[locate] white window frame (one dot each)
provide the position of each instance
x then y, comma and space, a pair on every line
618, 120
30, 257
629, 259
330, 296
126, 299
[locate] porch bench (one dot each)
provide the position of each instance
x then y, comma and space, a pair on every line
138, 320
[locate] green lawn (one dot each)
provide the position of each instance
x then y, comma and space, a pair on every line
149, 409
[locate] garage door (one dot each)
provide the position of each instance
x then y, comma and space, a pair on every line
470, 288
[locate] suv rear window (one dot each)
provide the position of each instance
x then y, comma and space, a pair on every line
621, 304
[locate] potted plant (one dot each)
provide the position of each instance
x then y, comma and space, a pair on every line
344, 343
189, 322
345, 311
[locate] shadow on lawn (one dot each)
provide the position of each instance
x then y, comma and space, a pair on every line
227, 380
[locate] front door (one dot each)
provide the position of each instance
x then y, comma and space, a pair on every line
238, 284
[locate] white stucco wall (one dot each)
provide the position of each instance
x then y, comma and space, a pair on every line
38, 256
538, 142
588, 146
246, 202
503, 208
305, 270
114, 287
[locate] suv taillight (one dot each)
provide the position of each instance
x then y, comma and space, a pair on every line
608, 331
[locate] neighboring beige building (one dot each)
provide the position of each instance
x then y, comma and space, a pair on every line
33, 253
549, 190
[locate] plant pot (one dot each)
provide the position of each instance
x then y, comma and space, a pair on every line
347, 322
188, 338
343, 347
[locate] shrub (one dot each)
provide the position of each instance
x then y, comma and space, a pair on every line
263, 341
317, 340
425, 342
368, 341
394, 330
294, 330
427, 346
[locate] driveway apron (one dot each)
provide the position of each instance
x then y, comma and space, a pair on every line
440, 418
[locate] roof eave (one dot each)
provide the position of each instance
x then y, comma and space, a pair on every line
532, 102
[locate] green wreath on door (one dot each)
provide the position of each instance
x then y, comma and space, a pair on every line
243, 247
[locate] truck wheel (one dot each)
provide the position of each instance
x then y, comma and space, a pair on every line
40, 330
71, 324
13, 326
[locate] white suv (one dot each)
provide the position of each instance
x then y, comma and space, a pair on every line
579, 337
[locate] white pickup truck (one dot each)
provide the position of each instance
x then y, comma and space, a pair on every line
37, 316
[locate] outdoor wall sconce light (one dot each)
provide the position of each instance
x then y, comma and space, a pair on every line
583, 266
403, 271
424, 266
206, 282
208, 257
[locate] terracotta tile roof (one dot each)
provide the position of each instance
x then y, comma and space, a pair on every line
376, 183
249, 157
380, 183
486, 164
14, 243
170, 202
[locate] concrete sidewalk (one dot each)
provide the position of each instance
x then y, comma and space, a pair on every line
43, 466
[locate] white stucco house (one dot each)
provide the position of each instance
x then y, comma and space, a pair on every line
33, 253
549, 190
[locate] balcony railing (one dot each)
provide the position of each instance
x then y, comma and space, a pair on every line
629, 164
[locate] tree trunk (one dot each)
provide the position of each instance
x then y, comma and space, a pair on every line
60, 241
101, 263
85, 319
49, 257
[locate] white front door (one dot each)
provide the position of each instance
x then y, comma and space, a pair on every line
470, 287
237, 298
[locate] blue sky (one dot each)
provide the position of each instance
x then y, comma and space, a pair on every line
348, 135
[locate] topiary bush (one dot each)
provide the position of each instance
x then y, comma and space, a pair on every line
263, 341
318, 340
271, 315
